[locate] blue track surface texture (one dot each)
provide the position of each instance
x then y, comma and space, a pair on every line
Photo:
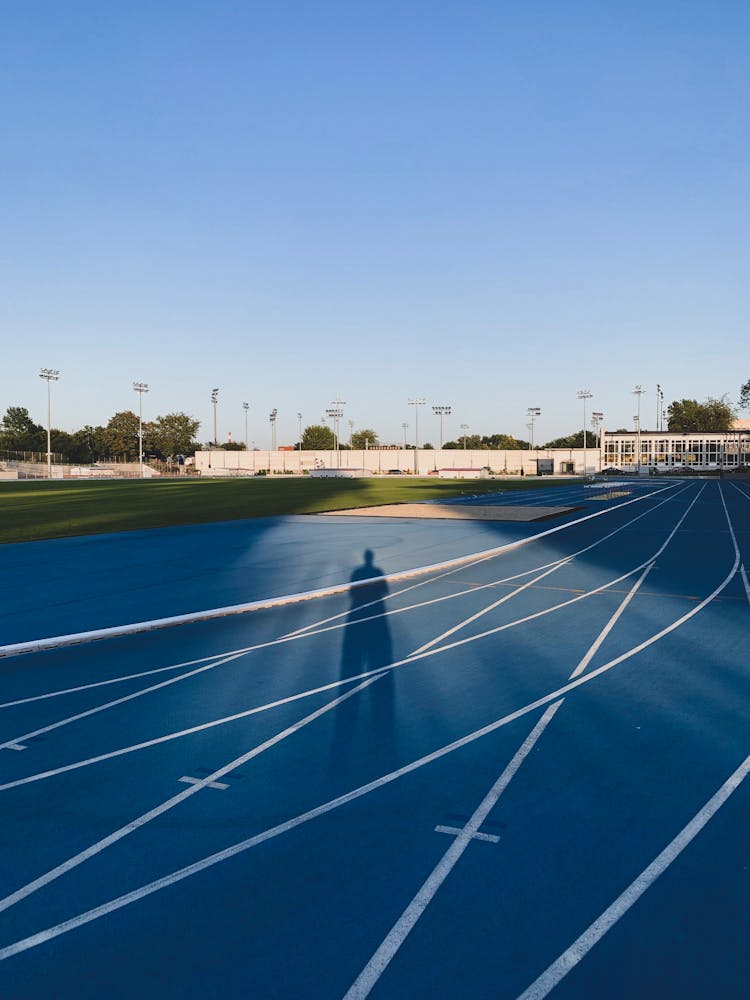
522, 776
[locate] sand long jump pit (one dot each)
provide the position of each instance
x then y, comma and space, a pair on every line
456, 512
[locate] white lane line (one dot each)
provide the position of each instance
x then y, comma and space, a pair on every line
307, 630
393, 941
9, 744
517, 576
491, 607
306, 817
636, 586
391, 595
550, 978
53, 642
293, 636
112, 680
199, 728
205, 783
456, 831
227, 658
558, 565
365, 981
94, 849
303, 633
378, 672
124, 831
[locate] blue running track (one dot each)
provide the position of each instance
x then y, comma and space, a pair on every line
518, 776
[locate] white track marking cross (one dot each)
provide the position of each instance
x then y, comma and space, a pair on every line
458, 831
204, 782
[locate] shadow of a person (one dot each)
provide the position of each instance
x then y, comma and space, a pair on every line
366, 646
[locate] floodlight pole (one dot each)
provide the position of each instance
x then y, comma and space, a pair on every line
441, 411
140, 388
638, 392
533, 412
246, 407
336, 411
214, 400
404, 427
49, 375
584, 394
464, 428
299, 429
272, 418
416, 403
596, 418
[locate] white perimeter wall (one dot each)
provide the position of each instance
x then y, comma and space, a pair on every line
510, 462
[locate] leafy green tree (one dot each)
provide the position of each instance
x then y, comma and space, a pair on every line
471, 442
20, 433
366, 438
574, 441
685, 415
503, 442
87, 445
121, 436
174, 434
317, 437
61, 443
745, 395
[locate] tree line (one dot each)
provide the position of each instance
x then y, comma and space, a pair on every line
175, 434
164, 438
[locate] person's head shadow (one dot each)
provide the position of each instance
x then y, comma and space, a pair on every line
368, 591
365, 647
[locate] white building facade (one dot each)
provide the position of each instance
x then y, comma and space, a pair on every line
663, 451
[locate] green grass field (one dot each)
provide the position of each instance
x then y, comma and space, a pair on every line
31, 510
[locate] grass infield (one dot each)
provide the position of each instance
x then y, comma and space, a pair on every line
33, 510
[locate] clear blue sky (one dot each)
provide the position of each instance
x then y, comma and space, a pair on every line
490, 205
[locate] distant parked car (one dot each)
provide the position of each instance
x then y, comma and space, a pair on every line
395, 472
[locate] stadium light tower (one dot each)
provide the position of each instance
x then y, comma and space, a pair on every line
336, 411
658, 406
214, 401
584, 394
416, 403
441, 411
638, 392
464, 428
49, 375
404, 428
596, 418
533, 412
272, 418
299, 430
246, 407
140, 388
